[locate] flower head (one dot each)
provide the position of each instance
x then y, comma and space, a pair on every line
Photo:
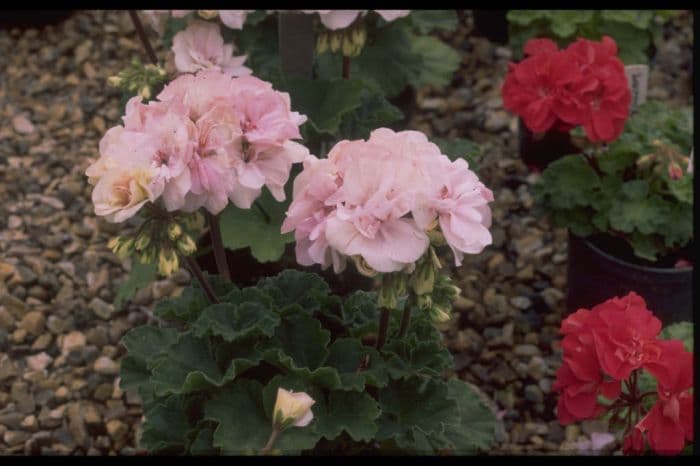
292, 409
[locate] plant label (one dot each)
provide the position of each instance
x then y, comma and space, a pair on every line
638, 78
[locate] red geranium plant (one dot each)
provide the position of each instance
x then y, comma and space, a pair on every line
582, 85
613, 343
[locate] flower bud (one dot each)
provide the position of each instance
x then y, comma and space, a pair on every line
321, 43
675, 172
423, 279
142, 241
145, 92
387, 294
125, 248
348, 46
359, 36
174, 231
363, 267
167, 262
186, 245
208, 14
114, 243
148, 255
335, 42
424, 301
114, 81
292, 409
438, 314
436, 237
435, 259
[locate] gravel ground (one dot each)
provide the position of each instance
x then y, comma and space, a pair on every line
59, 332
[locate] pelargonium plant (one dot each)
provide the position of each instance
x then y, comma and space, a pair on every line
288, 365
607, 352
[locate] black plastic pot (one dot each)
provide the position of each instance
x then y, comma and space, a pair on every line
595, 276
538, 151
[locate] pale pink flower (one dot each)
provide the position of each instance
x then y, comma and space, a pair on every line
200, 92
391, 15
201, 46
234, 19
292, 407
180, 13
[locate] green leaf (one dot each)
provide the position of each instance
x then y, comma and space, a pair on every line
525, 17
303, 339
258, 230
439, 62
410, 355
640, 19
676, 224
426, 21
140, 276
360, 313
203, 442
564, 23
188, 366
166, 426
172, 27
234, 322
682, 188
459, 148
243, 427
682, 331
645, 246
295, 287
415, 403
621, 155
373, 112
634, 210
143, 344
477, 425
259, 40
567, 183
325, 101
633, 43
356, 364
352, 412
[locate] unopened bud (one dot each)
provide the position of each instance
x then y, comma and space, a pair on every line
387, 294
348, 46
168, 262
423, 279
436, 237
186, 245
145, 92
335, 42
438, 314
359, 36
148, 255
174, 231
675, 172
208, 14
321, 43
292, 409
424, 301
114, 243
435, 259
114, 81
363, 267
125, 248
142, 241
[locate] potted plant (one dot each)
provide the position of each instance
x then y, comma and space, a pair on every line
635, 33
629, 209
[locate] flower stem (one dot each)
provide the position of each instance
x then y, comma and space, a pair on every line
405, 318
206, 286
270, 442
383, 327
346, 67
218, 246
144, 38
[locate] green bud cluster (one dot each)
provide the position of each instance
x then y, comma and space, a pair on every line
138, 78
349, 41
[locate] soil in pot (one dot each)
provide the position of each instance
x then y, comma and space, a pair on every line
601, 267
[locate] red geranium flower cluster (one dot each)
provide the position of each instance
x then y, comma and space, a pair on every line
610, 344
582, 85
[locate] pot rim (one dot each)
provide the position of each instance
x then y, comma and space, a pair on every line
642, 268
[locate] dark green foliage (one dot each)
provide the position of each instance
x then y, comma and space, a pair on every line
626, 189
211, 387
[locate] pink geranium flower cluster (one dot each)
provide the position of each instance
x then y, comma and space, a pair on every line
208, 139
610, 344
200, 46
584, 84
376, 200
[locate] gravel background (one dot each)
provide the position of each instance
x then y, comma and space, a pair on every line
59, 332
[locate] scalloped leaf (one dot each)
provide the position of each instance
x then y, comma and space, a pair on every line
357, 365
233, 322
566, 183
352, 412
425, 21
140, 276
682, 331
185, 307
440, 61
258, 228
415, 403
360, 313
166, 426
459, 148
477, 426
408, 356
303, 340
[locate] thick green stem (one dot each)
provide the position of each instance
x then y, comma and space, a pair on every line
406, 318
206, 286
217, 246
383, 327
270, 442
